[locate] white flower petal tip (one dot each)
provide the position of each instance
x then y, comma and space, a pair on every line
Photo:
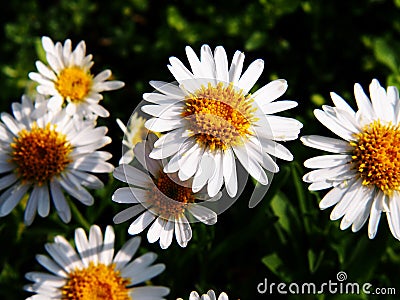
94, 260
209, 296
66, 65
358, 172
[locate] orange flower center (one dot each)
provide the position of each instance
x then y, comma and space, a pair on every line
167, 198
219, 116
40, 154
376, 156
74, 84
96, 282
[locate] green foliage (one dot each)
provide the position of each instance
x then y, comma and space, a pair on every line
317, 46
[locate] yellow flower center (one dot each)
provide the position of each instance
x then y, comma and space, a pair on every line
74, 84
40, 154
219, 116
167, 198
96, 282
376, 156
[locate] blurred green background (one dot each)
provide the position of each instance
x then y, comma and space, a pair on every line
317, 46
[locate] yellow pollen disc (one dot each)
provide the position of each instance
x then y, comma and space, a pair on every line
376, 156
219, 116
165, 187
74, 84
96, 282
40, 154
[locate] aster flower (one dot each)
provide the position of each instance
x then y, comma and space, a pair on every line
159, 198
45, 153
133, 134
210, 118
67, 79
93, 272
363, 169
209, 296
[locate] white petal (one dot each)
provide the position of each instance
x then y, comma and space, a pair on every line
203, 214
155, 230
167, 234
221, 64
229, 172
270, 92
126, 253
333, 125
327, 161
341, 103
128, 213
251, 75
161, 125
375, 215
275, 107
326, 143
141, 223
236, 67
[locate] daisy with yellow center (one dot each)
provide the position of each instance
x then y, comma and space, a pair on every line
159, 198
209, 118
92, 272
44, 153
134, 133
69, 82
363, 173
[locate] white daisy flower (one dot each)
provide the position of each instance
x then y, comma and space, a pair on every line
45, 153
210, 119
209, 296
133, 134
68, 79
363, 169
159, 198
93, 272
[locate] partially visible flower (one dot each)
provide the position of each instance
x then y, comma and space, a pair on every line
45, 153
363, 171
159, 198
209, 296
93, 272
67, 79
210, 119
133, 134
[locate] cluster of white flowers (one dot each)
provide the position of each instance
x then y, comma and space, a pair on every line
180, 161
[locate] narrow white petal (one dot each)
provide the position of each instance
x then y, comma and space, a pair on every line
236, 67
128, 213
327, 161
229, 172
375, 215
107, 252
270, 92
155, 230
221, 64
161, 125
203, 214
326, 144
251, 75
141, 223
275, 107
341, 103
333, 125
167, 234
126, 253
